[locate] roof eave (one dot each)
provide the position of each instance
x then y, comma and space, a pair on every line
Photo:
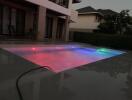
87, 13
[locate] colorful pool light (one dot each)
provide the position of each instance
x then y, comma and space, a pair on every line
33, 49
62, 57
102, 50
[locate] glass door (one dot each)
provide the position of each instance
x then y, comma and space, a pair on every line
60, 27
20, 22
12, 27
12, 21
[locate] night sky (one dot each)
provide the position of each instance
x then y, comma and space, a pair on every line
116, 5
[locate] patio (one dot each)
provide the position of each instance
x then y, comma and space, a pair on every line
108, 79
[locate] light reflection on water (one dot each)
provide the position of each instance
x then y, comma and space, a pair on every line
63, 57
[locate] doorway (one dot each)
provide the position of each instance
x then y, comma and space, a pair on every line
20, 22
60, 28
49, 27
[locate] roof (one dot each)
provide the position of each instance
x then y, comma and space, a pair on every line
107, 11
87, 10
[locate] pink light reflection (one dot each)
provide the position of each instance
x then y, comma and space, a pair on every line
57, 61
33, 49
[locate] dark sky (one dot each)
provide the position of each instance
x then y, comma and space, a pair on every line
116, 5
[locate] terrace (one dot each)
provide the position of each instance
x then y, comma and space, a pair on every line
63, 3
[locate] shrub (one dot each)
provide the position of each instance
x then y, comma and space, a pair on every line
113, 41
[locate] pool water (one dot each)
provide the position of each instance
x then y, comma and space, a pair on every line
59, 58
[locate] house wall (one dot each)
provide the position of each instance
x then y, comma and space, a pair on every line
36, 12
74, 16
67, 12
85, 23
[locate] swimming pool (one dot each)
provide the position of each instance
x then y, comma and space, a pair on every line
59, 58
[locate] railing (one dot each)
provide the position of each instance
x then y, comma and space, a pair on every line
63, 3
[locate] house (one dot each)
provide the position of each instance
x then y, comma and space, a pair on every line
37, 18
89, 19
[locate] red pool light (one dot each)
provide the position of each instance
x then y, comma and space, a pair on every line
33, 49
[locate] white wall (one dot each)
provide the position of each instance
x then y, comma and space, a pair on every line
85, 22
74, 16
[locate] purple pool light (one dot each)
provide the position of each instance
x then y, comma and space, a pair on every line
62, 57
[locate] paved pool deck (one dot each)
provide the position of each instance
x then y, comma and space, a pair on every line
109, 79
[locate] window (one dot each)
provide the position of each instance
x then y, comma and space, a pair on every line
63, 3
97, 18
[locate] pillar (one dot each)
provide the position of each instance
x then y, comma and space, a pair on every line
66, 33
41, 23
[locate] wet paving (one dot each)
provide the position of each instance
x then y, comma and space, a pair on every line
108, 79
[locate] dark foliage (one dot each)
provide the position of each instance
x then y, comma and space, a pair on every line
112, 41
117, 23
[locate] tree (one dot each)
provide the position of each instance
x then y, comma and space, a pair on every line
108, 26
117, 23
123, 19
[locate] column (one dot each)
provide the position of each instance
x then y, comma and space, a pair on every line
70, 4
41, 23
66, 34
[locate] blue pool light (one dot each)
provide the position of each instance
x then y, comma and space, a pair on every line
103, 50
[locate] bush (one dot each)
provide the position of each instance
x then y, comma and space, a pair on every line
128, 31
113, 41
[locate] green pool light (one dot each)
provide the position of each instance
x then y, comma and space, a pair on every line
102, 50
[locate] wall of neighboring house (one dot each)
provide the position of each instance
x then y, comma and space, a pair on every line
85, 23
